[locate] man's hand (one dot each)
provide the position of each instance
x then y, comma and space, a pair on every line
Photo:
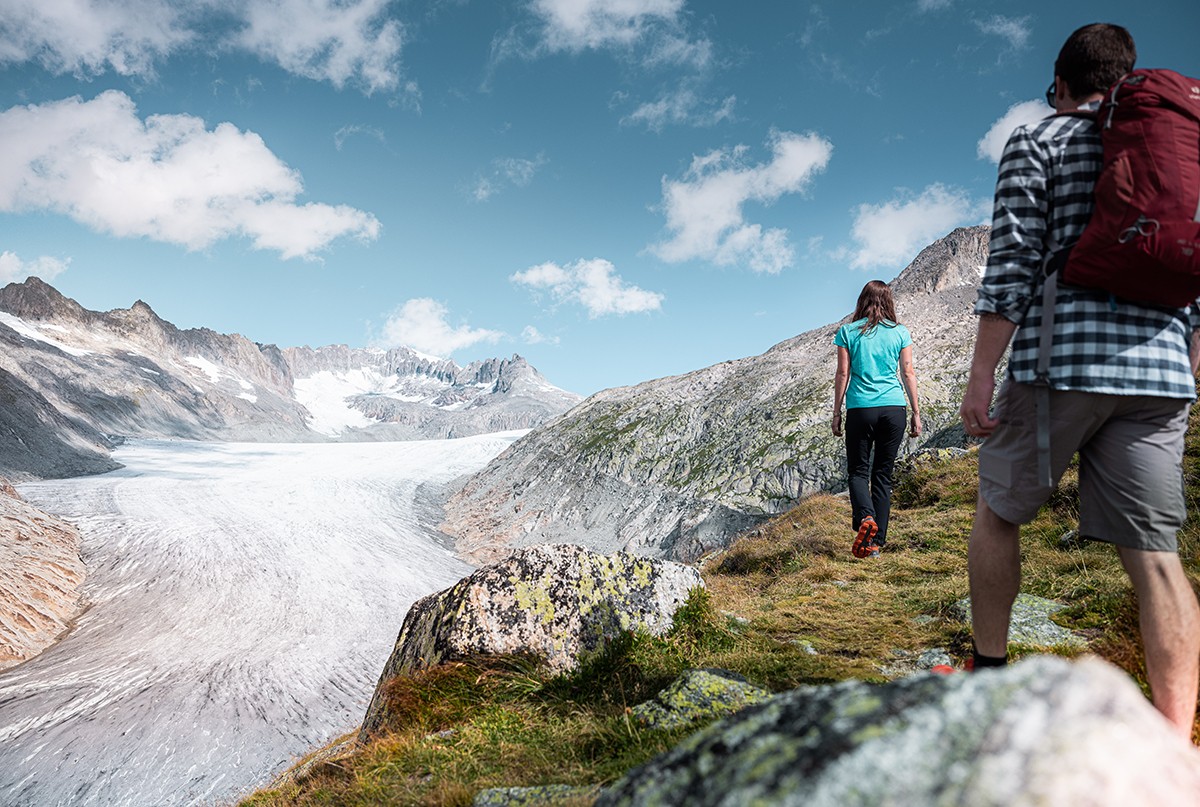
914, 425
977, 401
837, 424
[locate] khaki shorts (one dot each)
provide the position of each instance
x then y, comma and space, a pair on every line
1130, 462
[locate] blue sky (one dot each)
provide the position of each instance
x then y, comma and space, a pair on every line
616, 189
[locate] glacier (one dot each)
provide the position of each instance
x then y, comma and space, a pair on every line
241, 601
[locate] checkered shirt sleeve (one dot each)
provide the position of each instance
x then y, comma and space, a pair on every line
1101, 344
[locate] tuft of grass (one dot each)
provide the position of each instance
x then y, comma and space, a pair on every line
781, 592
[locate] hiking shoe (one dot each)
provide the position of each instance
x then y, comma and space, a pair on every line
864, 542
942, 669
872, 551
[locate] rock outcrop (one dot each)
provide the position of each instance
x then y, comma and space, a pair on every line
675, 467
1045, 731
698, 696
559, 603
40, 578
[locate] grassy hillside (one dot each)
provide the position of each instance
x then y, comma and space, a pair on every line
777, 595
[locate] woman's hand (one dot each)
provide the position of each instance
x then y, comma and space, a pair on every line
914, 425
837, 423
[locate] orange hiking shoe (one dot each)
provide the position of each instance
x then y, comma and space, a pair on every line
864, 542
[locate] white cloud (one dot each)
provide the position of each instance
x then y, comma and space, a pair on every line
651, 32
932, 5
683, 106
346, 132
890, 234
91, 36
421, 324
514, 172
340, 41
13, 269
704, 209
532, 336
991, 145
167, 178
593, 284
1015, 30
576, 25
328, 40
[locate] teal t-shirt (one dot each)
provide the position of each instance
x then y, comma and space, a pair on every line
874, 363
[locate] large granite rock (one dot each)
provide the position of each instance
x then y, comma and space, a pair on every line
40, 578
556, 602
1045, 731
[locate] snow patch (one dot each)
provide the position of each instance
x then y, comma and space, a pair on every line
205, 366
30, 332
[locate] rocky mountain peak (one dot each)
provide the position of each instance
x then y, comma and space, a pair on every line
955, 261
36, 300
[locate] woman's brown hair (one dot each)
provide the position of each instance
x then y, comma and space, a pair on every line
876, 304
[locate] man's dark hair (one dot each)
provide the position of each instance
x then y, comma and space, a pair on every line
1094, 57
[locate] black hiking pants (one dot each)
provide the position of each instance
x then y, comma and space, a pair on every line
880, 428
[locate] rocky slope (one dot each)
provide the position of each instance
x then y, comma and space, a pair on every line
75, 381
674, 467
40, 578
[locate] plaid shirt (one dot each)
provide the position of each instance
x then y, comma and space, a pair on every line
1101, 344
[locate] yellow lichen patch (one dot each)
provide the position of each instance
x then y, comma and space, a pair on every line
534, 599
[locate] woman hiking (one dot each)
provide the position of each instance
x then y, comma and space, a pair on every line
874, 370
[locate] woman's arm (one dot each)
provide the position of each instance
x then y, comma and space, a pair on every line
841, 380
908, 375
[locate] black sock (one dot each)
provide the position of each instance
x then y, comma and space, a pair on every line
982, 661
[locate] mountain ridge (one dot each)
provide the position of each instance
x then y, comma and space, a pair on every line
675, 466
85, 379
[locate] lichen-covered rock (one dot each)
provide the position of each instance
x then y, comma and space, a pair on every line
696, 696
557, 602
1030, 623
1043, 732
543, 796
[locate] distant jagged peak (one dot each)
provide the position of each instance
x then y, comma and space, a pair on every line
957, 260
35, 300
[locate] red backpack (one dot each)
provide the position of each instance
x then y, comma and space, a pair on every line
1142, 242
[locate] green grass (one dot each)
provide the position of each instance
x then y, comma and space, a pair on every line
787, 585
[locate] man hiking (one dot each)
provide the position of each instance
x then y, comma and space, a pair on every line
1119, 383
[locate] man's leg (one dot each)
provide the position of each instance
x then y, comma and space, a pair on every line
994, 568
1170, 621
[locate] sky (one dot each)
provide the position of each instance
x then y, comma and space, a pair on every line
618, 190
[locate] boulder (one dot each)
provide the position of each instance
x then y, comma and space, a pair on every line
1030, 623
557, 602
1045, 731
696, 696
543, 796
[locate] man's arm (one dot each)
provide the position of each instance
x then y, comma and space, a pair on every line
1194, 350
994, 334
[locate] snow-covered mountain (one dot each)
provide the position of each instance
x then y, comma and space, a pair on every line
74, 382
